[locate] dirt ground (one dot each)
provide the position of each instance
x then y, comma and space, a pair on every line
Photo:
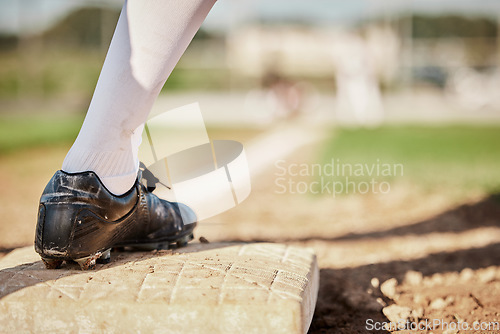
405, 256
411, 255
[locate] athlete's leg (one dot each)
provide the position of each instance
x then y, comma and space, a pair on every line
98, 202
150, 37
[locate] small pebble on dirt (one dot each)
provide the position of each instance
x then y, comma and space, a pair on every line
487, 275
388, 288
396, 313
413, 278
438, 279
375, 282
418, 298
417, 314
466, 274
381, 302
438, 304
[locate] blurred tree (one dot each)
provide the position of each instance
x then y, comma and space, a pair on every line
87, 27
8, 42
453, 26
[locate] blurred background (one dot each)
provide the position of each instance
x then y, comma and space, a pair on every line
414, 83
311, 56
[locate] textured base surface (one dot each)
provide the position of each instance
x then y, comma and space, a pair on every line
203, 288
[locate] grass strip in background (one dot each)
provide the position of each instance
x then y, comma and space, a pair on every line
458, 158
20, 132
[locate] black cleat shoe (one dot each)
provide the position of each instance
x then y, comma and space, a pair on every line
80, 220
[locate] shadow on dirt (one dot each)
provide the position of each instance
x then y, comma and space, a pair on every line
5, 250
344, 303
485, 213
340, 312
465, 217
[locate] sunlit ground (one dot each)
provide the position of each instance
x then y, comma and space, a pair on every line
438, 221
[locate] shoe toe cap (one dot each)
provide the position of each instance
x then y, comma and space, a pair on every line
187, 214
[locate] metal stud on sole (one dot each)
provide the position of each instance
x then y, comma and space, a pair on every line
89, 262
184, 241
105, 257
52, 263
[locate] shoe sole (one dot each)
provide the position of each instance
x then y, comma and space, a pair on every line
103, 257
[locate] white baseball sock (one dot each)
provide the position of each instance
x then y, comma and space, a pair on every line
150, 37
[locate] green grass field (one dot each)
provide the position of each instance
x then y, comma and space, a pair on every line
458, 158
19, 132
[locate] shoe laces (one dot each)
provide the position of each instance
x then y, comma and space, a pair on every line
148, 179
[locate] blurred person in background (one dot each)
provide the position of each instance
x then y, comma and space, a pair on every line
97, 200
358, 91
